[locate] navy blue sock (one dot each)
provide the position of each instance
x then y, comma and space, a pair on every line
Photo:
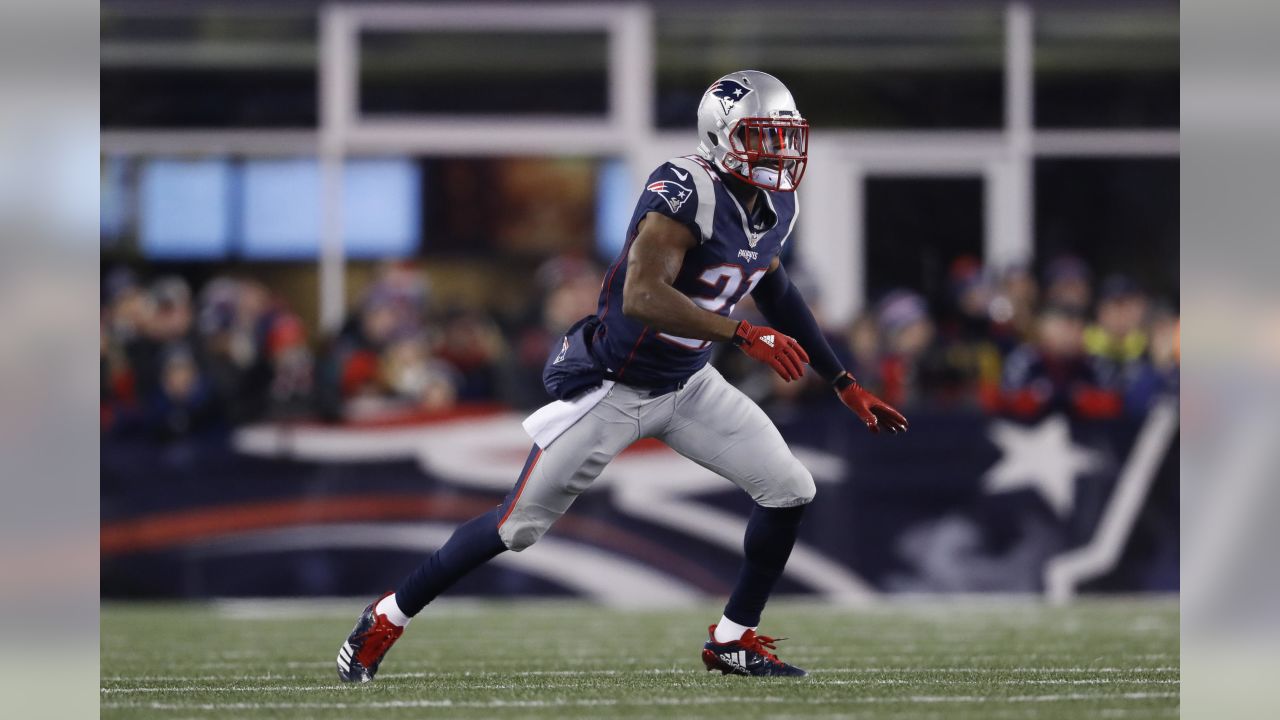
473, 544
770, 534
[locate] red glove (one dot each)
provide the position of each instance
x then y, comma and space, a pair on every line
872, 410
778, 351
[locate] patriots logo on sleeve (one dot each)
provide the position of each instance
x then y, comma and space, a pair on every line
673, 192
729, 93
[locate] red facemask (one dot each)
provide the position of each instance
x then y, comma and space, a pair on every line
772, 152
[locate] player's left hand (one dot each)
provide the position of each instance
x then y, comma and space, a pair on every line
873, 411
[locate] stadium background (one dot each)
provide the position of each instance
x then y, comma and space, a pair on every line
338, 240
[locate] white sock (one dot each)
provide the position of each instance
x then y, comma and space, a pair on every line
728, 630
393, 612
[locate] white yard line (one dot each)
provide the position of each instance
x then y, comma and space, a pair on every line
1073, 669
652, 671
397, 704
566, 686
1013, 682
221, 689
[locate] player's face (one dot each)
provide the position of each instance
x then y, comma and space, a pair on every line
773, 146
773, 141
774, 150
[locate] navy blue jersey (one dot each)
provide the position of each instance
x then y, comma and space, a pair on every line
732, 254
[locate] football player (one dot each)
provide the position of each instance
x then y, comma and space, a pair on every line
708, 229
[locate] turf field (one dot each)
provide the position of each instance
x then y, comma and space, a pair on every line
901, 659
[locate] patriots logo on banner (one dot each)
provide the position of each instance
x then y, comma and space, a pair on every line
673, 192
729, 93
1060, 493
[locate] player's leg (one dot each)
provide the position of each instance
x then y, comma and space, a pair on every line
717, 426
548, 484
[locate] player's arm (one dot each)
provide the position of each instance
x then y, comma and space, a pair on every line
649, 296
784, 307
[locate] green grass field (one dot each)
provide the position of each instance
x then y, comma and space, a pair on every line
968, 658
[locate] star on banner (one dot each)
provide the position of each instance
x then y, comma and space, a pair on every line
1041, 458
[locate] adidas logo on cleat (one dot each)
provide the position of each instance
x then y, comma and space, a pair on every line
344, 656
767, 340
736, 660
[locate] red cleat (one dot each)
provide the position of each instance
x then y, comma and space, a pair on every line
749, 655
362, 653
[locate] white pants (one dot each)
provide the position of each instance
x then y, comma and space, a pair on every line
708, 421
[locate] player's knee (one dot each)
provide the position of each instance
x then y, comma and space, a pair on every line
522, 540
518, 537
519, 532
793, 486
804, 488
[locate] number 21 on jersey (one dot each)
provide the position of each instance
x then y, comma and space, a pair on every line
728, 280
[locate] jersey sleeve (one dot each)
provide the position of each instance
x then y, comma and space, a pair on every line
682, 190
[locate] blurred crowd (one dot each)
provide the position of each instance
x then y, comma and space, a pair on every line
177, 362
173, 365
1006, 342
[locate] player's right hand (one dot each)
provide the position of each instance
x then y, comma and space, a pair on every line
778, 351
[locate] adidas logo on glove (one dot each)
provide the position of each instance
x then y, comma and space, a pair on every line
777, 350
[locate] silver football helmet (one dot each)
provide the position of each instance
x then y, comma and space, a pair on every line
749, 127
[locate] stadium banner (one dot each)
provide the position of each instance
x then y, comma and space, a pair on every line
961, 503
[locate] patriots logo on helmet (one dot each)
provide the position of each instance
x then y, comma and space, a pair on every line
673, 192
729, 93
